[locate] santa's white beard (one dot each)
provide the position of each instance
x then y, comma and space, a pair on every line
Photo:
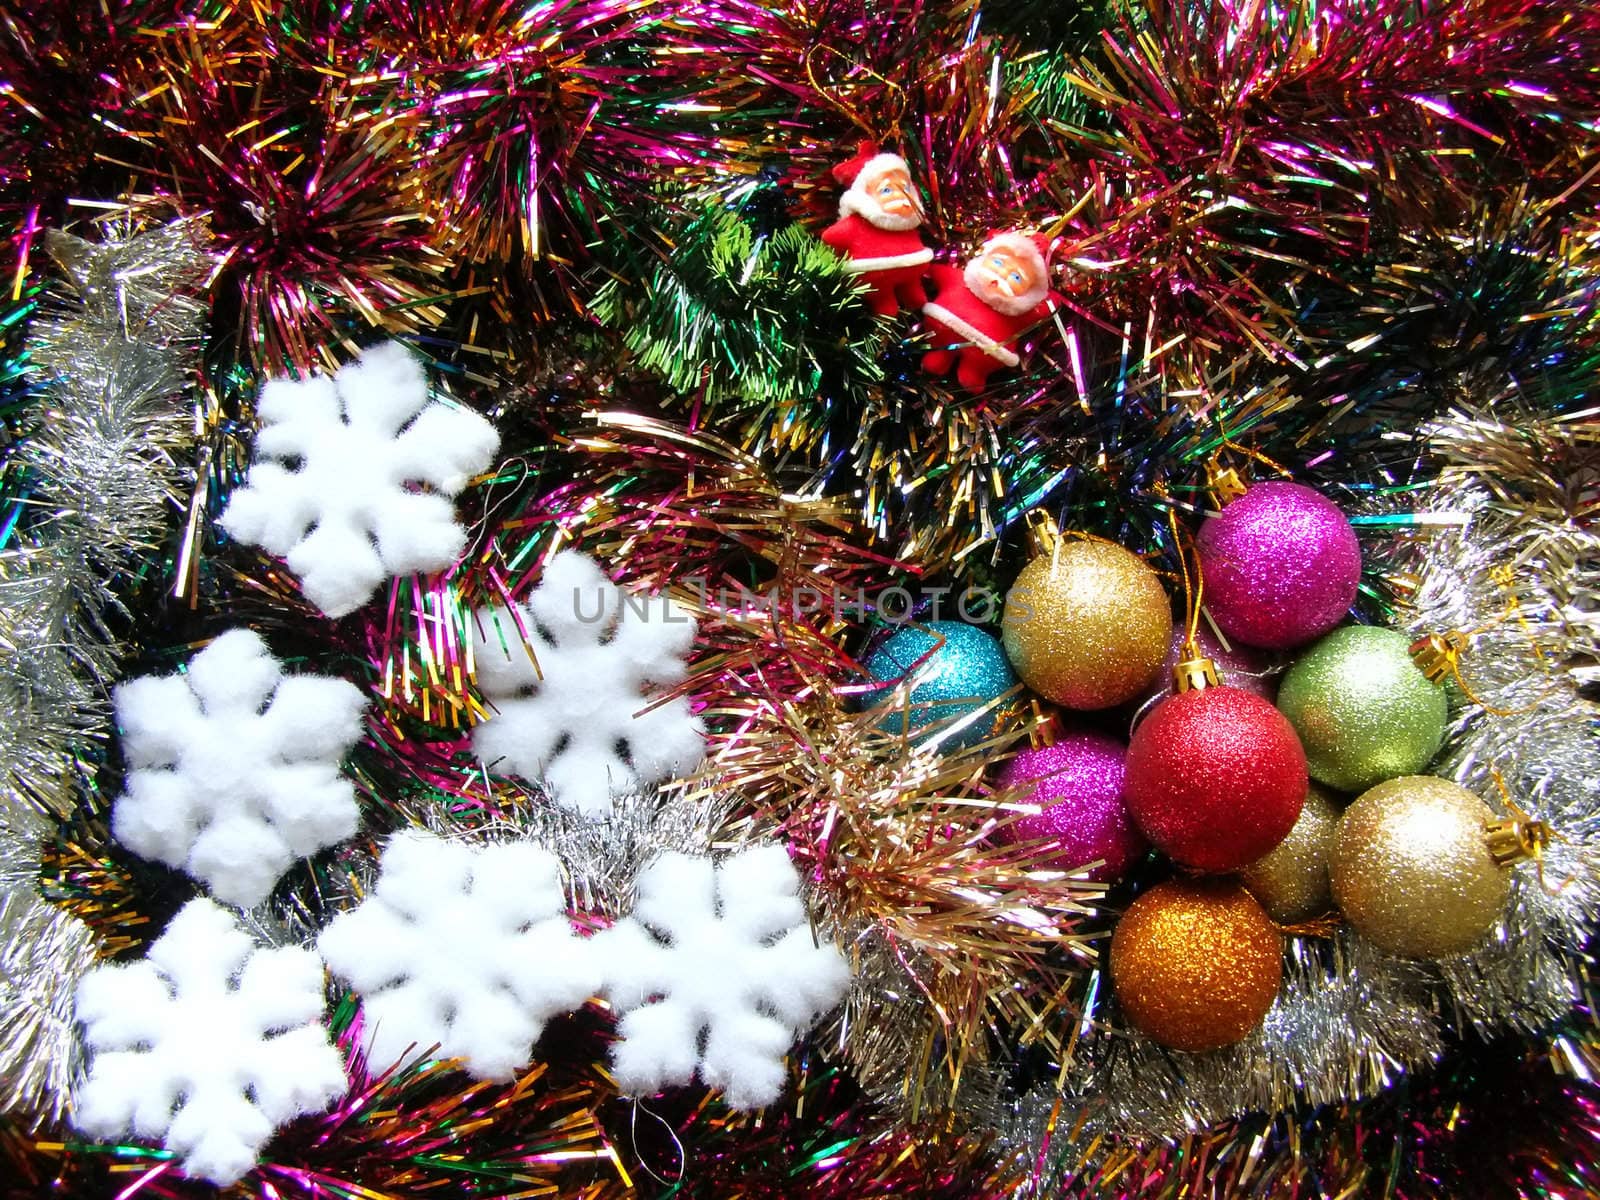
866, 206
977, 278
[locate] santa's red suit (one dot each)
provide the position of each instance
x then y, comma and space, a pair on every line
884, 248
975, 328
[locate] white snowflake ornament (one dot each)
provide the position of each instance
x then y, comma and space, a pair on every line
340, 464
464, 948
208, 1044
715, 973
233, 768
581, 719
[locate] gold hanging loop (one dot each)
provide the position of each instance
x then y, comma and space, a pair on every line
1194, 670
1438, 656
1520, 837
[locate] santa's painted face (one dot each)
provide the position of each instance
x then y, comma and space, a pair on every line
892, 190
1002, 273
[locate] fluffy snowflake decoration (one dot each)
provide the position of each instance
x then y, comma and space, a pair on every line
233, 769
464, 948
580, 720
208, 1044
716, 972
340, 463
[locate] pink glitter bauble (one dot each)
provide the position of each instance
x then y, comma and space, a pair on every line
1243, 667
1280, 566
1077, 783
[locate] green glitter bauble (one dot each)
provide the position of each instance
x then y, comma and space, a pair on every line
1363, 710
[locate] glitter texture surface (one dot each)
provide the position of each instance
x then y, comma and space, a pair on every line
1240, 666
1216, 778
1196, 963
1087, 625
1281, 565
1411, 868
954, 669
1292, 881
1363, 710
1077, 782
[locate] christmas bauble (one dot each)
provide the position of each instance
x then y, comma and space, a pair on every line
1291, 881
1196, 963
1411, 867
1077, 783
1216, 778
1280, 565
1240, 666
954, 669
1363, 710
1087, 624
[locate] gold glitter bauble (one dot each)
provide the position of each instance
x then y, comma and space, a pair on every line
1196, 963
1292, 881
1411, 867
1087, 625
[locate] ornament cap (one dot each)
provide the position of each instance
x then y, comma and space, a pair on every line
1044, 535
1224, 483
1046, 729
1438, 655
1517, 838
1193, 674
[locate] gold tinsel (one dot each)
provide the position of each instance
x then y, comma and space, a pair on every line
954, 936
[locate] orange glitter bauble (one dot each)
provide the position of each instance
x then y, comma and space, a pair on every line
1196, 963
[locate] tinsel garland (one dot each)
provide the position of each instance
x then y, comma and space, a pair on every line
94, 483
1351, 241
1519, 577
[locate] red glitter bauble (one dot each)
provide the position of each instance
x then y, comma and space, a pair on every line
1216, 778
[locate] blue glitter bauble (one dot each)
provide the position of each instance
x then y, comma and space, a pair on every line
962, 675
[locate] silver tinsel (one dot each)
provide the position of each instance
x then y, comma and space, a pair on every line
44, 951
1522, 576
601, 856
113, 358
1347, 1022
113, 354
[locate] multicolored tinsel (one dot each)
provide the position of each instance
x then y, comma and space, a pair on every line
315, 225
1349, 241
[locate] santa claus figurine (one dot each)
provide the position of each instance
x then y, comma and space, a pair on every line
978, 313
879, 214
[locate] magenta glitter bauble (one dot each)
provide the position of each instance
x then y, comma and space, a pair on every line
1280, 566
1077, 783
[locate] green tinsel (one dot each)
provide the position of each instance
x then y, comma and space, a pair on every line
762, 326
